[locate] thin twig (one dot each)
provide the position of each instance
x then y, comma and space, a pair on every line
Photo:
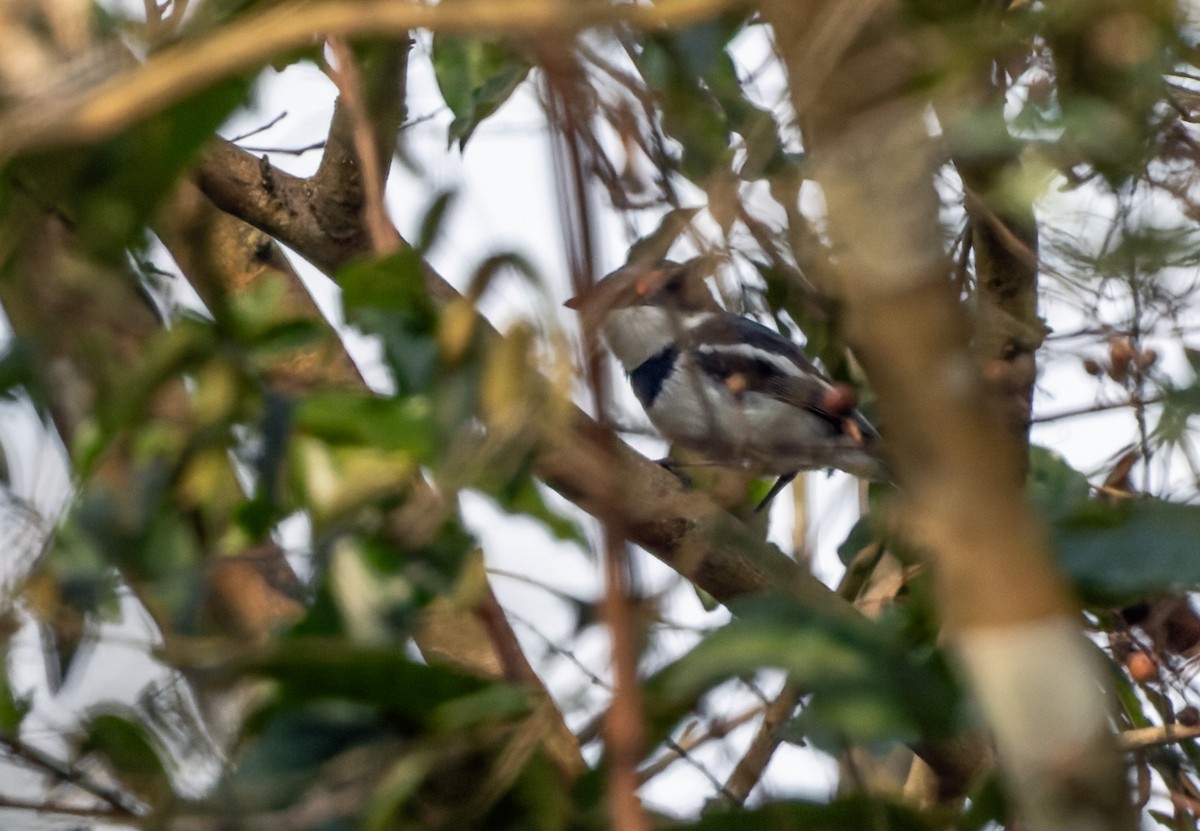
289, 151
681, 748
1142, 737
766, 741
260, 129
10, 804
120, 801
589, 731
1095, 408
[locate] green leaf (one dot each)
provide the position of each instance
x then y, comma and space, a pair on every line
492, 703
394, 283
475, 76
866, 681
18, 374
690, 114
853, 813
1123, 552
13, 708
387, 297
110, 189
354, 418
1056, 488
292, 744
383, 677
434, 219
134, 756
130, 528
860, 536
1114, 553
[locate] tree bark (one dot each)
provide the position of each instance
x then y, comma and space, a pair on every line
1007, 611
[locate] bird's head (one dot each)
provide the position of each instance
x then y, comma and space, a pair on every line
679, 287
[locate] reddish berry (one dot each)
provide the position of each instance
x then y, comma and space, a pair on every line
1142, 668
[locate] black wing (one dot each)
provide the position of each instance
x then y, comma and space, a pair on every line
749, 356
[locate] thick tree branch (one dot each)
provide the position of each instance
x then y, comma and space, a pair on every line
1005, 607
253, 38
683, 528
223, 255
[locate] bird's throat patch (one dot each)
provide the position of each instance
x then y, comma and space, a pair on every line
648, 377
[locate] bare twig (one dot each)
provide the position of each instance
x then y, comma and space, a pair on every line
1089, 409
754, 761
289, 151
261, 128
10, 804
682, 747
121, 802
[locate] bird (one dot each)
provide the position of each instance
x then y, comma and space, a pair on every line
725, 385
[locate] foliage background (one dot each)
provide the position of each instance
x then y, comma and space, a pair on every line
209, 419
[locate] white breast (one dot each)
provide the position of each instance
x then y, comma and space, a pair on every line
637, 333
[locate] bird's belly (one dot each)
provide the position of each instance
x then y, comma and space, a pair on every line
707, 416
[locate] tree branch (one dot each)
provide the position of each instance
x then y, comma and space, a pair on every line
1006, 608
122, 803
754, 761
253, 38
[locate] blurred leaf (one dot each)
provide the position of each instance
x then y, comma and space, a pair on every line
690, 114
163, 359
266, 454
130, 527
394, 283
512, 788
18, 374
655, 245
13, 708
495, 702
337, 479
1056, 488
1110, 58
387, 297
816, 315
860, 536
510, 262
290, 745
1115, 553
434, 219
703, 101
853, 813
354, 418
134, 757
109, 189
475, 76
413, 695
756, 125
988, 806
866, 681
524, 496
1123, 552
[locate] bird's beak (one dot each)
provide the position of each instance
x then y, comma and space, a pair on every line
575, 302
